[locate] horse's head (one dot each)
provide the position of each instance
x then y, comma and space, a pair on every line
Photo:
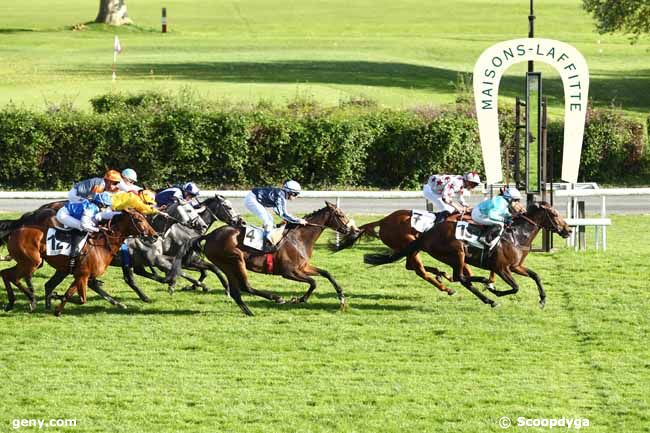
546, 216
133, 223
219, 207
337, 220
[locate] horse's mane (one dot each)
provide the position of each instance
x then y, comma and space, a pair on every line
316, 212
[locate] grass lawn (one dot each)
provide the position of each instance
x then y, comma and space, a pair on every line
400, 53
402, 358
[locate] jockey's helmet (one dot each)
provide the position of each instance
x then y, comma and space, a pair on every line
103, 199
130, 175
113, 176
147, 196
191, 188
293, 187
511, 194
472, 176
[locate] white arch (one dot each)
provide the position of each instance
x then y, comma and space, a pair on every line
489, 69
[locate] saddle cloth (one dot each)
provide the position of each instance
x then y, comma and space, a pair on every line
474, 235
59, 241
422, 220
254, 237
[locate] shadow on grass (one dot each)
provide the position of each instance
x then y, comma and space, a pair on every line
628, 89
16, 30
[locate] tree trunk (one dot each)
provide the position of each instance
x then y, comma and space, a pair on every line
113, 12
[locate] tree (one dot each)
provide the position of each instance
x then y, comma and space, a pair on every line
628, 16
113, 12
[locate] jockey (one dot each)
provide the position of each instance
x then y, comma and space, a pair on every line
84, 216
86, 189
142, 201
129, 178
440, 190
260, 198
184, 197
495, 213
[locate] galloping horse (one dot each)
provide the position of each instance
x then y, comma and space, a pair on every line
27, 247
507, 257
396, 232
224, 247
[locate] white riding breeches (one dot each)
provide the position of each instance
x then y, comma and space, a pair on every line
85, 224
439, 204
251, 203
483, 220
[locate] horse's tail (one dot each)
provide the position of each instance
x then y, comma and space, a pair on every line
368, 230
382, 259
6, 227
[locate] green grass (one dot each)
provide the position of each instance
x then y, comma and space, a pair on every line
403, 357
400, 53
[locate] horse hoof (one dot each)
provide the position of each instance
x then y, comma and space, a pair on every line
542, 304
206, 290
32, 307
58, 312
146, 299
280, 301
120, 306
9, 307
170, 291
297, 300
451, 292
494, 304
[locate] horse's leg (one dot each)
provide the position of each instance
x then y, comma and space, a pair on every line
506, 276
68, 294
127, 273
96, 287
522, 270
439, 274
459, 275
204, 266
29, 293
326, 274
139, 270
50, 285
236, 275
7, 276
297, 275
414, 263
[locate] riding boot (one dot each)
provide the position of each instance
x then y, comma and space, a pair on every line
75, 238
441, 216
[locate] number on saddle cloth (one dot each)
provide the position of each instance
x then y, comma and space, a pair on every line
422, 220
60, 242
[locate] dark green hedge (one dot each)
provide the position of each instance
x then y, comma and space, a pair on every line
167, 140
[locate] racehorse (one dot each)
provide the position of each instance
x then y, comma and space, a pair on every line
26, 246
290, 259
154, 254
396, 232
507, 256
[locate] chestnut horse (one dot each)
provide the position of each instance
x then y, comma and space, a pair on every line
507, 256
396, 232
26, 246
290, 259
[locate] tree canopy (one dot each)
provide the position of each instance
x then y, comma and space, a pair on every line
628, 16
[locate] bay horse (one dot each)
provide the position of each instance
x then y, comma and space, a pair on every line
507, 256
396, 232
26, 246
290, 259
